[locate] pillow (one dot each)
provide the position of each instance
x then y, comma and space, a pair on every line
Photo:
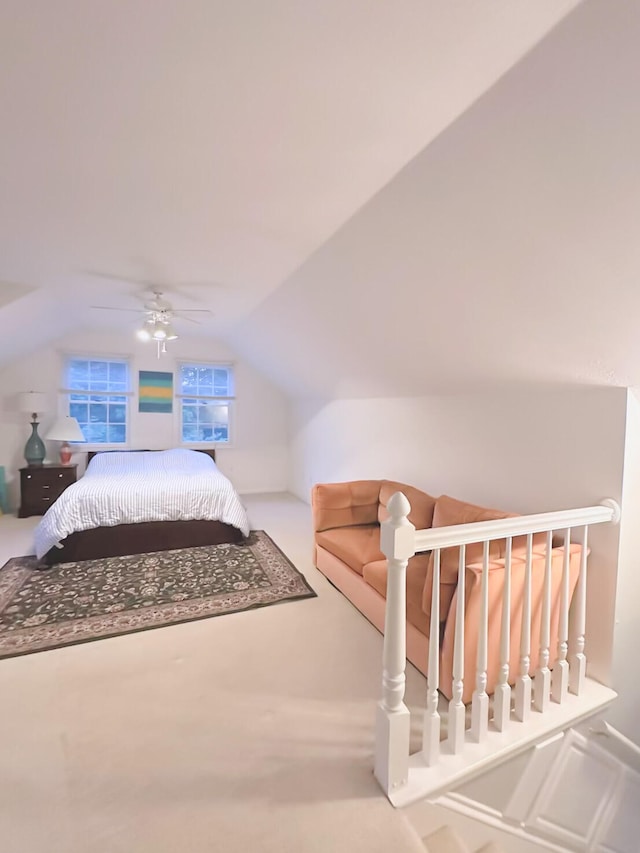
422, 504
449, 511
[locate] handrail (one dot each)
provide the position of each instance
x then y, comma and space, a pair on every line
520, 525
399, 540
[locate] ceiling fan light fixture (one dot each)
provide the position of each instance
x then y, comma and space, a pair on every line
159, 332
171, 334
143, 334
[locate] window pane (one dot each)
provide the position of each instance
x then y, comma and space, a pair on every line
205, 376
79, 411
116, 433
98, 413
77, 371
96, 433
117, 413
189, 432
98, 371
221, 433
189, 415
189, 378
117, 372
221, 382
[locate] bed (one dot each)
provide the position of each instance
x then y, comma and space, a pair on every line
133, 502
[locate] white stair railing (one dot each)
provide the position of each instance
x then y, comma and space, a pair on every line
400, 541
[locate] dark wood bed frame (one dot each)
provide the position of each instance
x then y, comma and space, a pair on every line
141, 538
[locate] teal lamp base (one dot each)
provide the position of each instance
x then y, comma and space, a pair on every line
34, 450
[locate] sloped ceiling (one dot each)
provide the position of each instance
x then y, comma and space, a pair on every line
506, 252
213, 147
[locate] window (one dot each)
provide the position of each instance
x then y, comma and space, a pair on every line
206, 393
97, 396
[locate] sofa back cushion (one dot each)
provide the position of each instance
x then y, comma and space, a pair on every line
450, 511
422, 504
345, 504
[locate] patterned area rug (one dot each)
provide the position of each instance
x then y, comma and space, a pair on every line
45, 608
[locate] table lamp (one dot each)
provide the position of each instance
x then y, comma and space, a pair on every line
34, 402
65, 429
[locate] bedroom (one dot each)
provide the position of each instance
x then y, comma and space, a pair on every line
304, 232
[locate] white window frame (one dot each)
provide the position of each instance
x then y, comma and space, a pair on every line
228, 399
65, 396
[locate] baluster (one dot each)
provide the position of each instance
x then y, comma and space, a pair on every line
542, 686
502, 695
578, 667
523, 684
455, 734
480, 700
397, 541
560, 674
431, 724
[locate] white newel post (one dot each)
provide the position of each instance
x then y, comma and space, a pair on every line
397, 541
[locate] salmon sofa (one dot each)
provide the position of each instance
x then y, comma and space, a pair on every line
346, 522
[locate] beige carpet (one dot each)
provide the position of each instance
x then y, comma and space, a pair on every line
253, 732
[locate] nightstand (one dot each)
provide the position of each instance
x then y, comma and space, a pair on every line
42, 485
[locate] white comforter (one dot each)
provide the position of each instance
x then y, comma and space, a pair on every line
125, 488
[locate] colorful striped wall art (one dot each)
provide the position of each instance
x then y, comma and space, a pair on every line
155, 391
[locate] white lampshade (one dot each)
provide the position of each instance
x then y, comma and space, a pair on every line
33, 402
66, 429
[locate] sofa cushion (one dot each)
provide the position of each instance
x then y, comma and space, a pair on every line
422, 504
449, 511
345, 504
355, 546
375, 574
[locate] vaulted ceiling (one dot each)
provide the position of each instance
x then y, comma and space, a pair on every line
408, 196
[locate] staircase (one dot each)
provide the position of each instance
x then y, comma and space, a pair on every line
447, 840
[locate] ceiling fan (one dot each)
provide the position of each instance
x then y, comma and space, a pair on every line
158, 315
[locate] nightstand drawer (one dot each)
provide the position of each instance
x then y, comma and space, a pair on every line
42, 486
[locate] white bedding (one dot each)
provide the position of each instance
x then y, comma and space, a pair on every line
125, 488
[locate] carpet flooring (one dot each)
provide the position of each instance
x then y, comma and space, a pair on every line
47, 607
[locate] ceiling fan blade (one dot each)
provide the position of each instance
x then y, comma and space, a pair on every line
113, 308
190, 311
188, 319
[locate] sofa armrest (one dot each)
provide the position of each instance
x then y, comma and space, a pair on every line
345, 504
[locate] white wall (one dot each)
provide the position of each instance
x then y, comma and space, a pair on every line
624, 715
256, 462
530, 451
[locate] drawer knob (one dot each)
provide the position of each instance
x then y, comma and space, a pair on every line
59, 475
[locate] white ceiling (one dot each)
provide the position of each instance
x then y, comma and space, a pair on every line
214, 146
506, 252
